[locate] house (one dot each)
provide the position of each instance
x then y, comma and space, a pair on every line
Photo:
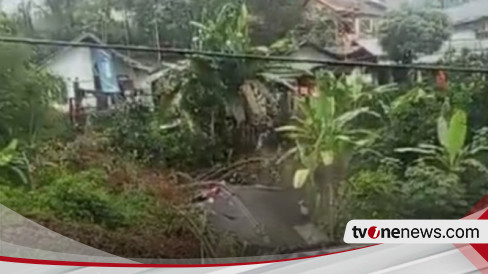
99, 70
459, 41
470, 30
358, 18
472, 16
309, 51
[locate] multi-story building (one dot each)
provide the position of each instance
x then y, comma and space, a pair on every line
470, 29
356, 18
362, 18
471, 17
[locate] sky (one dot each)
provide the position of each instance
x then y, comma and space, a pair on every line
10, 6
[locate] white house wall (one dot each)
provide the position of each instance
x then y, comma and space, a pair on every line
75, 63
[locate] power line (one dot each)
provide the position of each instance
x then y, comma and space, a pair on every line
284, 59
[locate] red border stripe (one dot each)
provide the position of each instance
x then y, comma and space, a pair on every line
136, 265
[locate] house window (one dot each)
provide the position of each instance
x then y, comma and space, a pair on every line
482, 31
366, 26
485, 26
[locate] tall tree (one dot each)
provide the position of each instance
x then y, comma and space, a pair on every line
161, 21
409, 32
26, 92
273, 19
318, 28
57, 19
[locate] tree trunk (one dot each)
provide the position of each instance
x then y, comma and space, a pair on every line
328, 181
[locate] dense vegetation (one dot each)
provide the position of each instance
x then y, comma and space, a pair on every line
408, 32
413, 149
148, 22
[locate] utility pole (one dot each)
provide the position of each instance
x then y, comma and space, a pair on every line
156, 27
158, 43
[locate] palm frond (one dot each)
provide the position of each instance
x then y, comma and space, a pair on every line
479, 166
476, 150
22, 175
287, 155
352, 115
431, 147
415, 150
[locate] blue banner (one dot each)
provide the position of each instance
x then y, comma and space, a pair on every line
105, 71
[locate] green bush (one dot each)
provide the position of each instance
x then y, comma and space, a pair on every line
136, 130
475, 179
17, 199
374, 194
56, 126
433, 193
83, 198
133, 130
185, 149
413, 123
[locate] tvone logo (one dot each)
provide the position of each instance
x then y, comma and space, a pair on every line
373, 232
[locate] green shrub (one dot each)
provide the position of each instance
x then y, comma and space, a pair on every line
133, 130
475, 179
413, 123
15, 198
136, 130
185, 149
14, 165
433, 193
82, 198
57, 125
374, 194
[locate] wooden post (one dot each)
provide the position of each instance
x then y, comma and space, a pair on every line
71, 110
78, 104
102, 100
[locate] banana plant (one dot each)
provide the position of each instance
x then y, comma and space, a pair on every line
361, 91
324, 129
14, 161
325, 132
227, 31
323, 135
452, 154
